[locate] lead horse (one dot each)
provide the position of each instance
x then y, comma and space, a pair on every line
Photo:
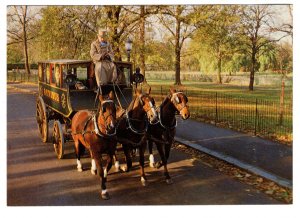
163, 132
132, 128
96, 132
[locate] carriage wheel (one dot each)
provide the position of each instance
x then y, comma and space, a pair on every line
42, 120
58, 140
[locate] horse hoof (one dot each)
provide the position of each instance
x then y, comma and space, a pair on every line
158, 165
151, 161
105, 196
169, 181
144, 182
124, 168
79, 169
93, 172
117, 166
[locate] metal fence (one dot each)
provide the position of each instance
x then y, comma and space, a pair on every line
19, 76
256, 116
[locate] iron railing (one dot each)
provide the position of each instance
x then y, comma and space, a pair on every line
265, 118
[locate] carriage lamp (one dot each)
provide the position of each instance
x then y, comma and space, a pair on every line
128, 47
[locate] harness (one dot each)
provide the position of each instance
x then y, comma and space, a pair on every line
167, 129
134, 130
97, 130
130, 127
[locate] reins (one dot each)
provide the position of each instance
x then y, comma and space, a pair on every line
167, 129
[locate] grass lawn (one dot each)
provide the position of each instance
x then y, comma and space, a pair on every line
271, 93
236, 106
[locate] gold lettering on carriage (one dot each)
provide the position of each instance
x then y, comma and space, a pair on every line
53, 95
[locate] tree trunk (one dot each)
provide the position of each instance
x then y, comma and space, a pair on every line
282, 95
177, 53
113, 13
282, 101
219, 68
27, 69
252, 70
142, 40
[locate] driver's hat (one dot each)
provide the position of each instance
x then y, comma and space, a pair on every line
102, 33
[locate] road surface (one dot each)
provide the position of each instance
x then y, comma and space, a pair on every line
35, 177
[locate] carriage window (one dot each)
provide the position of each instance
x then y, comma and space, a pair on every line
44, 67
40, 71
82, 73
48, 74
52, 77
127, 76
57, 76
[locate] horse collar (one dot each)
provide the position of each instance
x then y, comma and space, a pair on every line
139, 132
97, 131
160, 121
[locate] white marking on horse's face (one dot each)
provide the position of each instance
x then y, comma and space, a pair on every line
105, 173
175, 98
152, 109
112, 124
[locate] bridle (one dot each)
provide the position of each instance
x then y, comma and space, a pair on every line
152, 109
102, 115
128, 119
175, 100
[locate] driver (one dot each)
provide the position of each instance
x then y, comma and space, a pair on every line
102, 55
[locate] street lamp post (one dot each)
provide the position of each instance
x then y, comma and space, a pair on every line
128, 47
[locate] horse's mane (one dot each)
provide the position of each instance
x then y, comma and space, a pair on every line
165, 101
130, 107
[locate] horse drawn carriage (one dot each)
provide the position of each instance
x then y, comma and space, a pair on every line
99, 118
67, 86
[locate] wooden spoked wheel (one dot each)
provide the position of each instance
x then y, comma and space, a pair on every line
42, 120
58, 139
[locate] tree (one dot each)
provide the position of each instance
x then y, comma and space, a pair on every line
256, 21
218, 35
181, 22
120, 21
284, 59
19, 21
145, 11
286, 27
181, 17
67, 32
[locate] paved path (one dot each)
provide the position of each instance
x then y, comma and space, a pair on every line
269, 159
266, 158
35, 177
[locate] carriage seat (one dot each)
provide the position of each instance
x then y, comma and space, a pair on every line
80, 86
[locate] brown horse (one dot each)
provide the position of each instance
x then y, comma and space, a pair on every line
96, 132
132, 128
163, 132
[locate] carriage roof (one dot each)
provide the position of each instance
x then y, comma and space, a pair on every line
65, 61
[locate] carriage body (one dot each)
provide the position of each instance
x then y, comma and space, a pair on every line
67, 86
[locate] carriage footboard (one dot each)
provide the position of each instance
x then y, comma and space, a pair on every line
82, 99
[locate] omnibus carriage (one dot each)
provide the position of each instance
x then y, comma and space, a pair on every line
67, 86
